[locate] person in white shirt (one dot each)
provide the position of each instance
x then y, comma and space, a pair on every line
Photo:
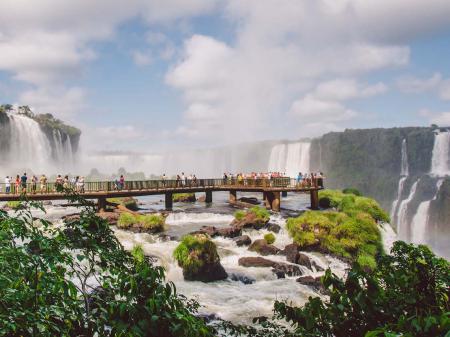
7, 185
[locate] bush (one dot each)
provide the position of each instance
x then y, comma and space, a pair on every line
183, 197
407, 295
47, 283
353, 191
13, 204
270, 238
150, 222
261, 213
239, 215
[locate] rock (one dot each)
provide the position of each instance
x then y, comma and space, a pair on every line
202, 198
184, 197
250, 220
243, 240
279, 268
111, 217
311, 281
208, 318
316, 266
304, 260
228, 232
262, 247
291, 252
242, 278
47, 203
273, 227
255, 261
71, 217
250, 200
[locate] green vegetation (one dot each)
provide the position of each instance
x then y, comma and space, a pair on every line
46, 275
270, 238
350, 232
351, 191
261, 213
128, 202
13, 204
194, 251
407, 295
149, 222
49, 121
183, 197
239, 215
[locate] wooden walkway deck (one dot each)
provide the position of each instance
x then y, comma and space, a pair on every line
101, 190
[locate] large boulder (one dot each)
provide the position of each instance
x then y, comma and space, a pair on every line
291, 252
242, 278
197, 256
111, 217
314, 282
278, 268
250, 200
262, 247
304, 260
228, 232
256, 218
243, 240
273, 227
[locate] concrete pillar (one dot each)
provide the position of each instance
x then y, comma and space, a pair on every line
314, 199
284, 194
208, 196
169, 201
233, 197
266, 199
101, 204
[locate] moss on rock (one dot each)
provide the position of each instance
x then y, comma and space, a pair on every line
127, 202
141, 222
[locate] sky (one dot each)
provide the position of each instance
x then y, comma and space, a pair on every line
155, 75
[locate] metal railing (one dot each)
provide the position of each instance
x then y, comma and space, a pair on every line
155, 185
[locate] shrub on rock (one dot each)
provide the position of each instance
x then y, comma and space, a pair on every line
197, 256
141, 222
256, 217
270, 238
128, 202
184, 197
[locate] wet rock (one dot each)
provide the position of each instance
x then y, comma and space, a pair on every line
314, 282
273, 227
111, 217
71, 217
47, 203
279, 268
304, 260
250, 220
291, 252
243, 240
208, 318
228, 232
262, 247
316, 266
250, 200
242, 278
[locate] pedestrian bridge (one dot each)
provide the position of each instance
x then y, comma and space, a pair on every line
271, 190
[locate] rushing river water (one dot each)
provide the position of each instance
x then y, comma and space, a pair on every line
230, 300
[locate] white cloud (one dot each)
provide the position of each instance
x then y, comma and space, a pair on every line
441, 119
141, 58
310, 109
444, 90
411, 84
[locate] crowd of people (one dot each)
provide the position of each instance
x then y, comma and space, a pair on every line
22, 184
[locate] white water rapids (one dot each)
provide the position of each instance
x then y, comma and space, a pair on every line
290, 158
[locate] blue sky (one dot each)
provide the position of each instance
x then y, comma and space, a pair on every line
151, 75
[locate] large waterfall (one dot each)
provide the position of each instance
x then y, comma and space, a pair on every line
440, 158
290, 158
402, 225
29, 147
404, 172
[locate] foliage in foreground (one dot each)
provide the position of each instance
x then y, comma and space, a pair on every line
407, 295
150, 222
77, 280
350, 232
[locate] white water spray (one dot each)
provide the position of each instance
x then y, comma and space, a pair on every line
440, 157
290, 158
402, 225
404, 172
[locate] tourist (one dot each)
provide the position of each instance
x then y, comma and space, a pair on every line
23, 182
163, 179
81, 185
17, 185
7, 185
299, 179
225, 178
43, 183
121, 182
58, 182
66, 183
194, 179
183, 179
178, 182
34, 181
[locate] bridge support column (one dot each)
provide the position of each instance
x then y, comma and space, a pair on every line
101, 204
208, 196
314, 199
169, 201
284, 194
233, 197
272, 200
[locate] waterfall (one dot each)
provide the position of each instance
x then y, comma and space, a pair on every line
420, 220
68, 151
440, 156
402, 212
29, 147
58, 143
290, 158
404, 172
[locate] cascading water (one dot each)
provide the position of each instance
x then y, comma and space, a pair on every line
404, 172
420, 219
29, 147
402, 226
440, 165
290, 158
